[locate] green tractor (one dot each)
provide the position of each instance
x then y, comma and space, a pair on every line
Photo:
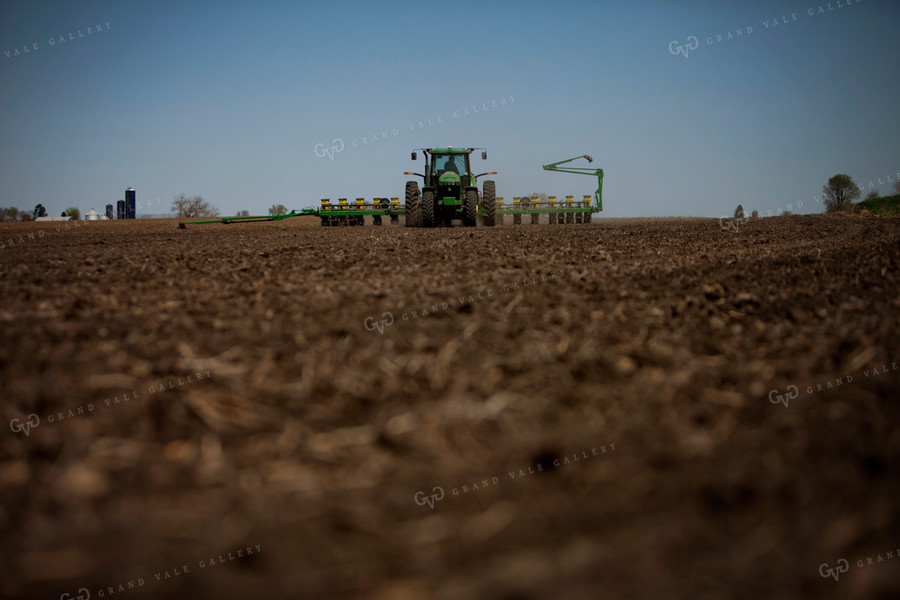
449, 191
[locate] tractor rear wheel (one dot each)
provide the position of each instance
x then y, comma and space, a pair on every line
489, 203
412, 204
470, 208
428, 208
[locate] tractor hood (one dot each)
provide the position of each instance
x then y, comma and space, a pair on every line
448, 178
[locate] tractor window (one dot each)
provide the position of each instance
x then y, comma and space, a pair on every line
450, 162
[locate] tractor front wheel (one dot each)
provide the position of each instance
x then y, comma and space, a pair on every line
412, 204
470, 208
428, 208
489, 203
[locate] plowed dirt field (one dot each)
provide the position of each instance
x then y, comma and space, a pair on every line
648, 408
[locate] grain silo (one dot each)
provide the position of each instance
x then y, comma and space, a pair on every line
130, 203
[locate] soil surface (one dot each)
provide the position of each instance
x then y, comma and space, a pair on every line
646, 408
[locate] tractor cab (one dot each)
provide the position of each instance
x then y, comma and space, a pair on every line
450, 163
447, 168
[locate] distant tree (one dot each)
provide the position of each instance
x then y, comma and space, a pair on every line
73, 212
840, 192
180, 205
739, 212
40, 211
873, 195
755, 214
243, 213
25, 216
12, 214
280, 209
196, 206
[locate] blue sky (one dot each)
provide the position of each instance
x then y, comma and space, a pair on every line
239, 101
